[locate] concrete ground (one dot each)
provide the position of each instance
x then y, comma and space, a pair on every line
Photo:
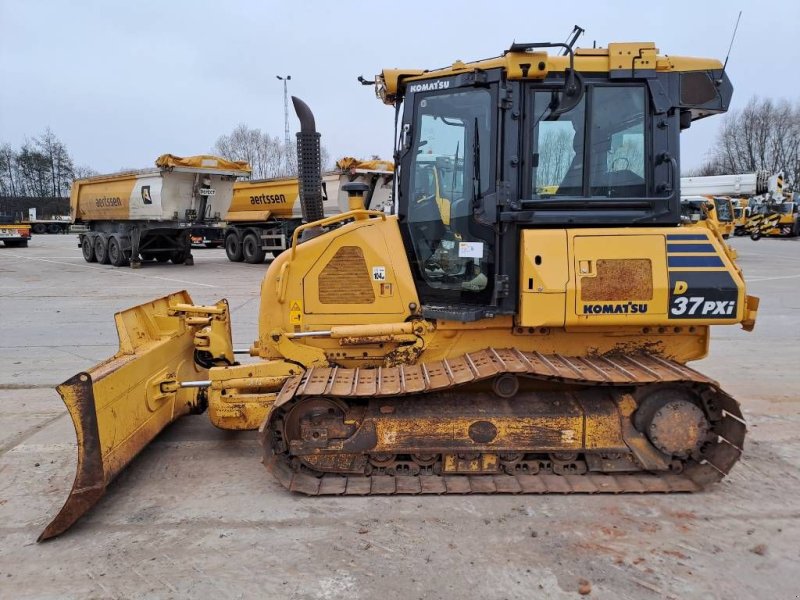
197, 515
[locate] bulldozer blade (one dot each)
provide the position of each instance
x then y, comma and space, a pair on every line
121, 404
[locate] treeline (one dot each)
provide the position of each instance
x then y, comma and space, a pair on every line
40, 168
43, 168
268, 155
764, 135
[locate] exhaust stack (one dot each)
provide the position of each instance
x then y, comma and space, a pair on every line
309, 167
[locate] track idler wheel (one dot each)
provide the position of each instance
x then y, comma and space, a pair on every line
674, 422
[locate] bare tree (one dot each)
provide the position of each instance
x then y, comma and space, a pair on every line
59, 161
268, 155
42, 167
82, 172
555, 156
8, 159
764, 135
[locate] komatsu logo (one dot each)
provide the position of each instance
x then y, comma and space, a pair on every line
428, 86
623, 308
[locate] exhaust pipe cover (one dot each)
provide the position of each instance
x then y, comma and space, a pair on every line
309, 163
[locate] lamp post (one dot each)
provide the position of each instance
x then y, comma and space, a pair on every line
285, 79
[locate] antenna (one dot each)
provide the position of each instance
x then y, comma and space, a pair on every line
286, 140
576, 32
733, 37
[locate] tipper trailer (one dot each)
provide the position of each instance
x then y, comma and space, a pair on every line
148, 215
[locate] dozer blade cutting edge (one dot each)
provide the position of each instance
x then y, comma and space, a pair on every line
121, 404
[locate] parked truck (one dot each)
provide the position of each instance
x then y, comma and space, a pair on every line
13, 235
148, 215
55, 225
264, 214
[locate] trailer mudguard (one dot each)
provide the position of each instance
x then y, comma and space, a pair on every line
121, 404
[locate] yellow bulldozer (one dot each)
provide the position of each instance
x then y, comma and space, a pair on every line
533, 341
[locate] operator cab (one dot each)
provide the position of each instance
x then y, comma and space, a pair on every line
488, 149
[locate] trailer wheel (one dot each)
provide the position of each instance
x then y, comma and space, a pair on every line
87, 248
101, 249
755, 236
233, 248
54, 228
251, 248
116, 255
39, 228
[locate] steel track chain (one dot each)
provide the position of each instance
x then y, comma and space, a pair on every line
718, 457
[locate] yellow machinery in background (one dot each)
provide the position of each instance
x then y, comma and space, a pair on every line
715, 212
535, 340
741, 213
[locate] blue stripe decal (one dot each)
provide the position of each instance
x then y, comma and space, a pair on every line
680, 237
694, 261
691, 248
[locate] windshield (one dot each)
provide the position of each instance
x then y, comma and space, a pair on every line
724, 213
450, 170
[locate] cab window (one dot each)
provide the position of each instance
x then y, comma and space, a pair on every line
595, 149
451, 158
617, 142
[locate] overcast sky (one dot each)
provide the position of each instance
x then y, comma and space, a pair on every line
122, 82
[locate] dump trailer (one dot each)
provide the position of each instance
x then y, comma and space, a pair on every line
534, 343
148, 215
13, 235
265, 213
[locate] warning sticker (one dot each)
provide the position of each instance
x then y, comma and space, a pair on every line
379, 273
470, 249
296, 312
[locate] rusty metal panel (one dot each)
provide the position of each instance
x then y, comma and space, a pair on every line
316, 381
343, 380
531, 484
509, 358
305, 484
358, 486
484, 364
459, 369
412, 379
580, 484
408, 485
366, 383
481, 484
436, 375
555, 484
457, 484
332, 486
432, 485
732, 430
653, 483
604, 484
389, 381
383, 484
506, 484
